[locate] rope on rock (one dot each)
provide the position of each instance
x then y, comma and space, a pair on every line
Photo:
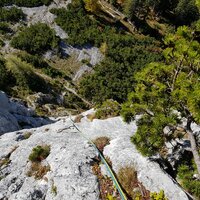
123, 196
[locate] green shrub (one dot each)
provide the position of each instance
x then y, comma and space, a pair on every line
113, 77
36, 39
109, 108
11, 15
39, 153
158, 196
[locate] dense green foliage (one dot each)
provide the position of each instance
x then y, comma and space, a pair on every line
11, 15
36, 39
113, 78
25, 3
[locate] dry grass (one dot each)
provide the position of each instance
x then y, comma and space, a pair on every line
107, 189
71, 64
78, 118
4, 162
38, 170
91, 117
101, 142
108, 161
128, 179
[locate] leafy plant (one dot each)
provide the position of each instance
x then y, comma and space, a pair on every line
109, 108
39, 153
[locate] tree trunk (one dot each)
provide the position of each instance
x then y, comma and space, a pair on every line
194, 149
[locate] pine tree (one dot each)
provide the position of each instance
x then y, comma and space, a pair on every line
167, 92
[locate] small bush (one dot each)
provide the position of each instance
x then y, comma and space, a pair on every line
158, 196
36, 39
101, 142
39, 153
27, 135
108, 109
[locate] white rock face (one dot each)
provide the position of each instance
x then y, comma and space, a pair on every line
70, 161
14, 116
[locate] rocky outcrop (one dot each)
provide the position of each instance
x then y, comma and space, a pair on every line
15, 116
70, 160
